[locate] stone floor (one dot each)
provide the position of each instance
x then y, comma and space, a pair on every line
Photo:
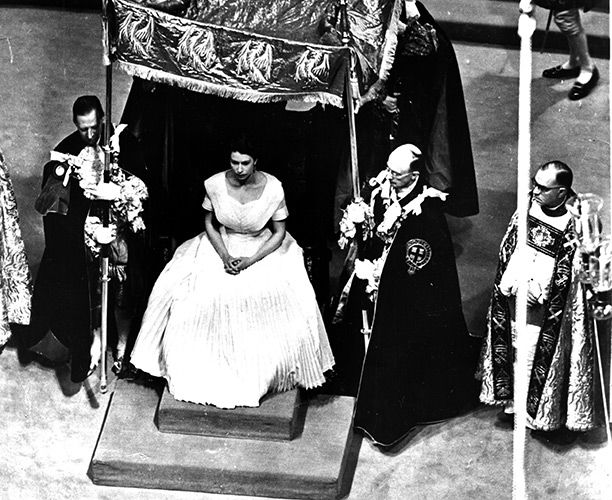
494, 22
50, 427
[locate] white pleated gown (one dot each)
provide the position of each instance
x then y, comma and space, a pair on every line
227, 340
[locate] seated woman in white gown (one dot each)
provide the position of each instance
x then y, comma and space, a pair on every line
233, 315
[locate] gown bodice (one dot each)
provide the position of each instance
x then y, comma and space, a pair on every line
229, 339
246, 218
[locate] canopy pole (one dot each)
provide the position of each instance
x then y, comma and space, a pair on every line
526, 28
350, 91
609, 332
104, 253
602, 382
350, 106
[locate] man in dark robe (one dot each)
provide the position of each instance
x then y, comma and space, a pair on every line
420, 361
422, 103
66, 292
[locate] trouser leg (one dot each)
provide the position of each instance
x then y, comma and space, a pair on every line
570, 24
528, 339
123, 320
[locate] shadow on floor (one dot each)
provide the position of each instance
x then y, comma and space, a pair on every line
562, 440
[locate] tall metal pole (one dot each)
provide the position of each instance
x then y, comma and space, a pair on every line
610, 205
600, 368
350, 86
104, 253
526, 28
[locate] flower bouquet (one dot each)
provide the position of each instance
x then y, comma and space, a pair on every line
356, 217
370, 271
126, 208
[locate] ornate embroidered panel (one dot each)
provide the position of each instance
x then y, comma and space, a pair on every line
543, 237
256, 50
15, 280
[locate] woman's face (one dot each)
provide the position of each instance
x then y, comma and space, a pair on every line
242, 165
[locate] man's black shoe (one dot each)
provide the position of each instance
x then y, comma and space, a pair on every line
127, 371
505, 418
580, 90
561, 72
24, 356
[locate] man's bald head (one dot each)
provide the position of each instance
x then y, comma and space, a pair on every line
563, 174
404, 165
402, 158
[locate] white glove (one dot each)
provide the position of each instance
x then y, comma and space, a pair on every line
104, 191
412, 12
105, 235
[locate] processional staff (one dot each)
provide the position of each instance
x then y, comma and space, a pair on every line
526, 28
351, 94
610, 208
104, 253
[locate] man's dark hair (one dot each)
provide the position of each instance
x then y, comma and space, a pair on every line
245, 145
85, 105
564, 175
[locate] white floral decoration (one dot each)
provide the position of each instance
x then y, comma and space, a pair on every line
358, 214
370, 271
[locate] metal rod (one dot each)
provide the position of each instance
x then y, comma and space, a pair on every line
602, 383
366, 329
350, 106
104, 253
350, 85
104, 324
610, 198
526, 28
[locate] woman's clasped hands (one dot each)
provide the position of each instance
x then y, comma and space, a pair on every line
233, 265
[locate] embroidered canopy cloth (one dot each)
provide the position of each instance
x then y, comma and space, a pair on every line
256, 50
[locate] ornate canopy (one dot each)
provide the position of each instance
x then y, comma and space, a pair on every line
258, 50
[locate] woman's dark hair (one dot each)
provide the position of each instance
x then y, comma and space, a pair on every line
85, 105
245, 145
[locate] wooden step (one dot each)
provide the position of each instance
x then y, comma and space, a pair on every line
277, 417
132, 452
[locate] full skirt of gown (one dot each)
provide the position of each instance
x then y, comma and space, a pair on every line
227, 340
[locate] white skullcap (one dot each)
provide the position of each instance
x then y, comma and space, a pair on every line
402, 156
